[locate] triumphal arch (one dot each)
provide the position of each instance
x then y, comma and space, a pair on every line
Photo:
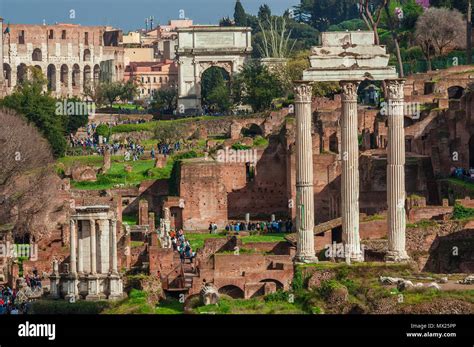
349, 58
202, 47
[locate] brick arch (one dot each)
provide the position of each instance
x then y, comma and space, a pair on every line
232, 290
456, 92
279, 284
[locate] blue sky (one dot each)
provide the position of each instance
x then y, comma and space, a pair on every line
127, 14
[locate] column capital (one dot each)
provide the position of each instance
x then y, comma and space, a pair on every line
394, 88
303, 91
349, 90
72, 221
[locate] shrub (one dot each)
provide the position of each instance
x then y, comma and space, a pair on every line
279, 295
461, 212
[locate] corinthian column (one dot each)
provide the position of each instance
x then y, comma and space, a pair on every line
93, 248
73, 238
350, 172
304, 175
396, 172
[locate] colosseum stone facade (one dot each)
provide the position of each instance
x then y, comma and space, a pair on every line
71, 56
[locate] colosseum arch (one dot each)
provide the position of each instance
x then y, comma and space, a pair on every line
37, 55
96, 74
64, 76
7, 70
87, 77
21, 73
51, 76
201, 47
87, 55
76, 71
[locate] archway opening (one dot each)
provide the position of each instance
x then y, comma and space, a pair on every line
51, 75
215, 90
252, 131
279, 285
455, 92
233, 291
87, 55
7, 70
87, 77
64, 75
37, 55
21, 73
75, 75
96, 74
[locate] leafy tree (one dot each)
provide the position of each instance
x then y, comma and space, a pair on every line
256, 86
73, 122
226, 22
165, 100
264, 13
169, 132
240, 17
39, 108
323, 13
215, 91
103, 130
276, 38
439, 29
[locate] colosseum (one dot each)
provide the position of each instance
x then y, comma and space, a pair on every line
71, 56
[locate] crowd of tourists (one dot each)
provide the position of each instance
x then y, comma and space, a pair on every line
461, 173
263, 227
182, 246
9, 303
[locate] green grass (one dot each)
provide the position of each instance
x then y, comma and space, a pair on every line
417, 297
129, 219
260, 141
150, 126
127, 106
270, 237
197, 240
137, 303
461, 183
463, 213
46, 306
169, 306
250, 306
423, 224
90, 160
142, 170
374, 217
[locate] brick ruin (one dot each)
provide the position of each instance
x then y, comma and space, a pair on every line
208, 190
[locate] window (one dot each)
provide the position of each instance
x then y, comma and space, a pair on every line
148, 79
86, 38
63, 34
51, 34
161, 79
154, 79
21, 37
143, 79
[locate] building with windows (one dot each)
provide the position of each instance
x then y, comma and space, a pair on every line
152, 76
72, 57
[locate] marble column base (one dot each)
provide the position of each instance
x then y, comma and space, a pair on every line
93, 289
304, 259
397, 256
